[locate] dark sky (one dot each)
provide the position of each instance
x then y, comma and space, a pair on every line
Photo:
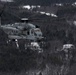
39, 2
42, 2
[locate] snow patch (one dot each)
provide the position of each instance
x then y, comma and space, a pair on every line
53, 15
38, 6
27, 7
74, 22
48, 14
42, 12
68, 46
74, 4
32, 7
59, 4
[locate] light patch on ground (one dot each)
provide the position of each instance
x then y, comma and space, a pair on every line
48, 14
74, 4
42, 12
59, 4
27, 7
53, 15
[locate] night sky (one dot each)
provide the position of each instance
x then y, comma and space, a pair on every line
39, 2
43, 2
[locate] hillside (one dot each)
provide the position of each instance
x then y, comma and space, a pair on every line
57, 30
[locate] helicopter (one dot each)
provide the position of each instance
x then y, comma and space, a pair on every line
22, 30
